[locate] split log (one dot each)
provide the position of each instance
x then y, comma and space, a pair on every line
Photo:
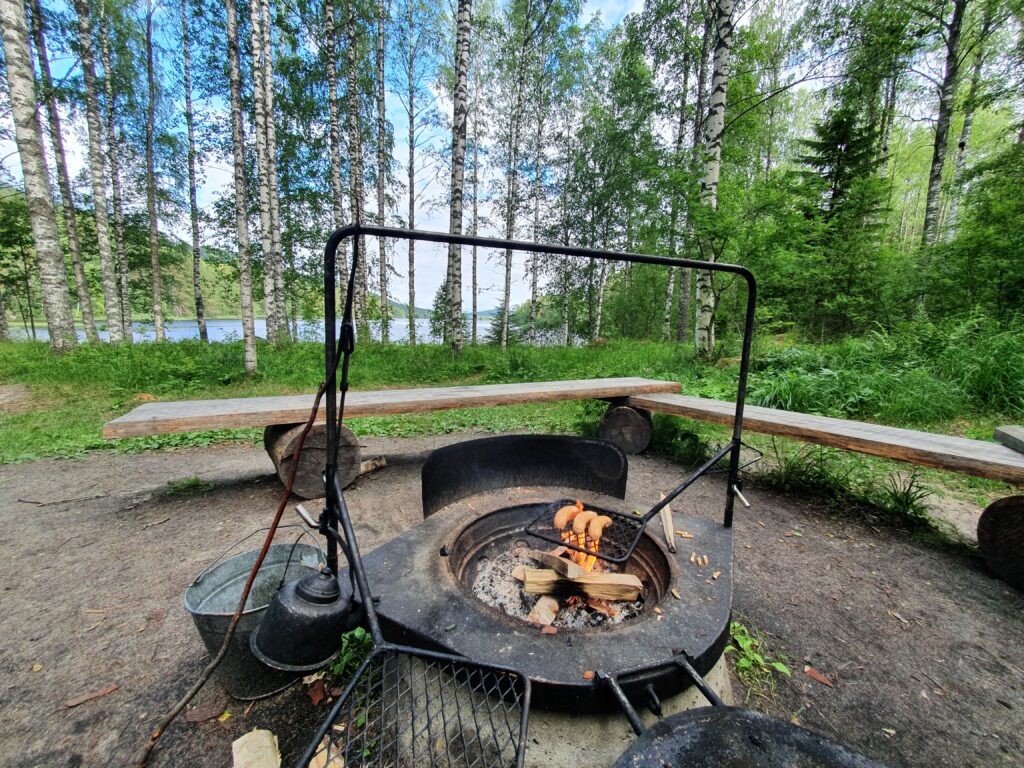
562, 566
544, 611
280, 441
605, 586
629, 428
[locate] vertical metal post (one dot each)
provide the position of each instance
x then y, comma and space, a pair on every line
741, 396
330, 392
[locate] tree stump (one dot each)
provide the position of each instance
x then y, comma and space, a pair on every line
1001, 537
280, 441
629, 428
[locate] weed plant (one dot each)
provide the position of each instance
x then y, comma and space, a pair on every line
754, 663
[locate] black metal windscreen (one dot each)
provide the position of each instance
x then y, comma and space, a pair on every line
408, 707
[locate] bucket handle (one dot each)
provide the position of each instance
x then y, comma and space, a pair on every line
305, 532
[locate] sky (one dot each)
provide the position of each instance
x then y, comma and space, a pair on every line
430, 260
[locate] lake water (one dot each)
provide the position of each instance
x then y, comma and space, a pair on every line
230, 330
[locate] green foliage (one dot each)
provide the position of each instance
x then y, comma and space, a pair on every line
754, 664
355, 648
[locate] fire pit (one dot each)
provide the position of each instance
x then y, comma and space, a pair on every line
424, 582
487, 551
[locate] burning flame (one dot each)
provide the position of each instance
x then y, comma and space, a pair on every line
581, 528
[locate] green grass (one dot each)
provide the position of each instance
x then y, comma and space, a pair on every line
959, 378
753, 661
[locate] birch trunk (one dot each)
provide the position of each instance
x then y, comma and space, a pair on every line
475, 183
382, 170
704, 335
63, 180
970, 104
334, 126
947, 94
263, 170
460, 113
154, 241
197, 290
241, 204
39, 200
512, 174
277, 257
699, 110
120, 253
355, 144
108, 279
5, 330
411, 96
535, 257
666, 329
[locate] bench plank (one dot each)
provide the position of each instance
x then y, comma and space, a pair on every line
958, 454
194, 415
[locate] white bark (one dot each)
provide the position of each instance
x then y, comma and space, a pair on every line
460, 113
382, 169
154, 240
947, 94
970, 104
241, 204
21, 82
277, 258
63, 180
120, 253
97, 173
704, 332
334, 126
355, 144
263, 170
193, 207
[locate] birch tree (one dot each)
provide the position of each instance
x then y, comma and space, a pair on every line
334, 126
113, 158
193, 206
63, 179
460, 112
29, 139
950, 33
383, 163
241, 203
704, 335
355, 163
970, 104
263, 171
416, 37
276, 255
156, 277
97, 174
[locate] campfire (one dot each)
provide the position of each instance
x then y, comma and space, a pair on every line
562, 587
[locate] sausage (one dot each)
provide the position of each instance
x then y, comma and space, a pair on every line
565, 515
579, 523
597, 526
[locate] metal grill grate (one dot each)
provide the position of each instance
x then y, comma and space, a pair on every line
407, 708
617, 541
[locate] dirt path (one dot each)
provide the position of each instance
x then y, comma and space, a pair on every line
922, 646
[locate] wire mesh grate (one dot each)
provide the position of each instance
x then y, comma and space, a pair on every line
617, 541
408, 708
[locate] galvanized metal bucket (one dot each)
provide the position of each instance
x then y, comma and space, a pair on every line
214, 595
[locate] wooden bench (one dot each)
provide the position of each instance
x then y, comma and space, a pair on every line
283, 417
956, 454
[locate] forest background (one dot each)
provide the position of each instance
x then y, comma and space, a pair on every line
863, 158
